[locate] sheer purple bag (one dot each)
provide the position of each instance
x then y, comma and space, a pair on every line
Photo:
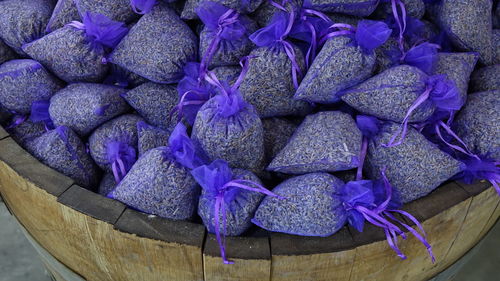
473, 32
150, 137
344, 61
324, 142
404, 94
107, 184
228, 128
24, 81
415, 167
241, 6
360, 8
160, 182
64, 12
163, 40
194, 90
78, 52
113, 145
275, 70
22, 21
62, 150
228, 200
85, 106
320, 204
24, 131
224, 38
118, 10
154, 102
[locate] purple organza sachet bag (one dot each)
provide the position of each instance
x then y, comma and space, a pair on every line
241, 6
157, 46
85, 106
160, 182
228, 200
22, 21
23, 81
78, 52
64, 12
325, 142
224, 37
62, 150
150, 137
275, 70
154, 102
346, 59
113, 145
228, 128
6, 53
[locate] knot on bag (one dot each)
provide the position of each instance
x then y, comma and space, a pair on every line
443, 94
40, 113
121, 156
363, 200
182, 148
217, 181
102, 33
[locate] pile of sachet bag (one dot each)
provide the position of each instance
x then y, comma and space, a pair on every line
295, 116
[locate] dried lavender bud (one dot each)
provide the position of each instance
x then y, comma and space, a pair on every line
62, 150
496, 46
414, 8
85, 106
310, 207
477, 123
241, 6
6, 53
122, 129
24, 81
414, 168
458, 68
325, 142
265, 12
118, 10
277, 132
67, 53
485, 79
339, 65
157, 47
360, 8
151, 137
22, 21
238, 213
389, 94
268, 84
26, 132
64, 13
154, 102
468, 24
107, 184
159, 185
237, 139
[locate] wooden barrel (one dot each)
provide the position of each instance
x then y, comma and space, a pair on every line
101, 239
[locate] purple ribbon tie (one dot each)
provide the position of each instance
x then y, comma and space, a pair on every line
220, 206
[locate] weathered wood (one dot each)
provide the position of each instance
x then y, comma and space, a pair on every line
31, 169
251, 257
99, 239
297, 258
3, 133
481, 209
92, 204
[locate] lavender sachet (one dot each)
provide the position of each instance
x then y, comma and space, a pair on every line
160, 182
78, 52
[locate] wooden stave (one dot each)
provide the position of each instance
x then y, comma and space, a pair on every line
310, 258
